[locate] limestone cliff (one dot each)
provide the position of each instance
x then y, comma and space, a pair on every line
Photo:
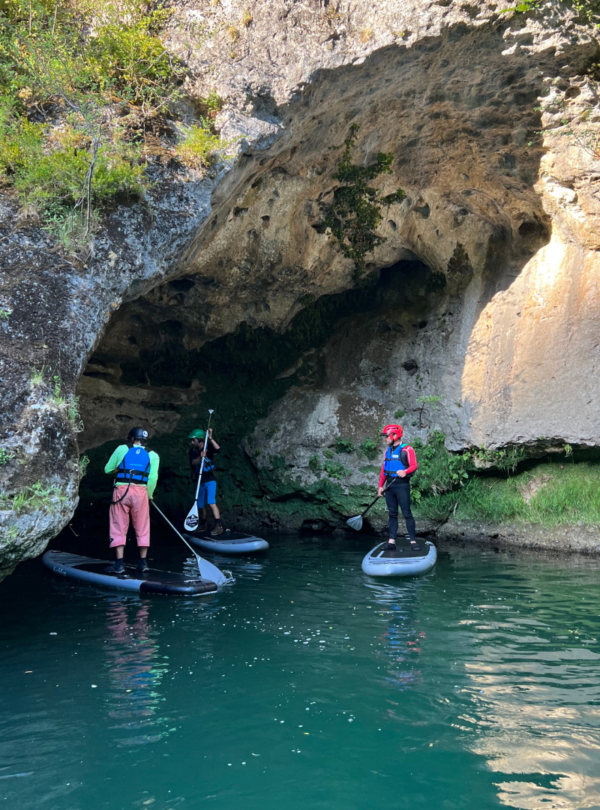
489, 299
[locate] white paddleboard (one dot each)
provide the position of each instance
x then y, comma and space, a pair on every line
402, 563
229, 542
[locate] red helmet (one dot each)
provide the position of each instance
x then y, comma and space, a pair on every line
395, 431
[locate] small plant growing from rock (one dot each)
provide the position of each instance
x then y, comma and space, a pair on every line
35, 497
37, 376
314, 464
432, 400
5, 456
57, 396
83, 465
200, 146
73, 415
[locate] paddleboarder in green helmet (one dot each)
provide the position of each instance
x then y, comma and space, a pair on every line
204, 446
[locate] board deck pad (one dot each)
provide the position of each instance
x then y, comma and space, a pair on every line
220, 538
404, 550
229, 542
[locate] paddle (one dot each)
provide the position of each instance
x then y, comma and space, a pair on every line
192, 519
207, 570
356, 523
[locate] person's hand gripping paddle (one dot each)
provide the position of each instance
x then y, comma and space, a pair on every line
192, 519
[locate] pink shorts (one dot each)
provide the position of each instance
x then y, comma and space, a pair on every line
136, 505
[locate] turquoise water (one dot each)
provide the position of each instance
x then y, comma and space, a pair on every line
306, 685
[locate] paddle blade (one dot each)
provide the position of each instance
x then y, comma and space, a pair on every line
355, 523
191, 521
211, 572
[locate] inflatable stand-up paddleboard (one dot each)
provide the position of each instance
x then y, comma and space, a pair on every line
94, 571
229, 542
404, 562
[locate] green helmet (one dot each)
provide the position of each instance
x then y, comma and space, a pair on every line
197, 434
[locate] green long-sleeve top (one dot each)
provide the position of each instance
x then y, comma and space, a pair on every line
118, 456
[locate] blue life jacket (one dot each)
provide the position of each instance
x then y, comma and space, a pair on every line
209, 466
135, 467
392, 463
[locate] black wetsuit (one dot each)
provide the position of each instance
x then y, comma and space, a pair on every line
398, 495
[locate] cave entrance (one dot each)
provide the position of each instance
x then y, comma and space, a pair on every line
148, 370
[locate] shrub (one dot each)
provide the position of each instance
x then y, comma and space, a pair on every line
21, 142
334, 469
55, 182
82, 57
369, 448
132, 61
439, 470
343, 445
505, 460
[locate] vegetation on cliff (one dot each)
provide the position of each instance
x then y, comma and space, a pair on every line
84, 88
354, 213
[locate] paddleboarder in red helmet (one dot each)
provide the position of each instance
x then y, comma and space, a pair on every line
399, 463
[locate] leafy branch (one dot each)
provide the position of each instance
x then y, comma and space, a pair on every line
355, 212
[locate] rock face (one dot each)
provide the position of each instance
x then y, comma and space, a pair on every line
485, 293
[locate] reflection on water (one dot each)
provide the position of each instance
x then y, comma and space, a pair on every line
135, 670
535, 693
402, 638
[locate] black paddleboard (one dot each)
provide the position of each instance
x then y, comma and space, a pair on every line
94, 571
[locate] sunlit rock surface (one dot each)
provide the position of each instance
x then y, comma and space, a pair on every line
488, 299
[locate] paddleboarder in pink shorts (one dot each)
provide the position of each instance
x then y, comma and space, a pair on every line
135, 482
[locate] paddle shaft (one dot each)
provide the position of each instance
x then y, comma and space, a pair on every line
210, 413
195, 553
373, 502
